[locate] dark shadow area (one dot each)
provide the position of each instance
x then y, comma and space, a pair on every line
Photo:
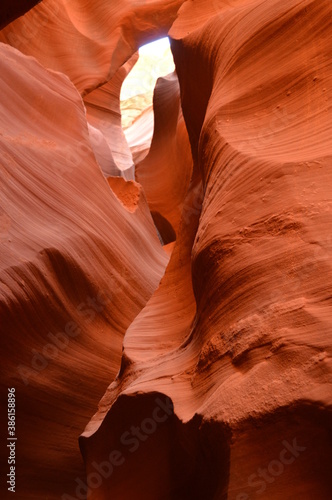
144, 452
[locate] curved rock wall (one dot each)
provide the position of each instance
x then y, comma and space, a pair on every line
197, 297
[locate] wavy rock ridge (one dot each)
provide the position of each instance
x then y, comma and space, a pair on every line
190, 283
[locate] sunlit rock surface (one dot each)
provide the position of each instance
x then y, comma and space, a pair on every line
155, 60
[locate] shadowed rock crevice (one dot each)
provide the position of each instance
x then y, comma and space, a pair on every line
150, 447
11, 9
164, 227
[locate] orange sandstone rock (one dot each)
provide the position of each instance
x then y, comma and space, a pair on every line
216, 349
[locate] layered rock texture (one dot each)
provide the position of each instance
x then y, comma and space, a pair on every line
166, 295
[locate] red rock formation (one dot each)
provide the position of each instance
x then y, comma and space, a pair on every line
139, 135
69, 288
224, 387
89, 41
249, 377
103, 113
166, 171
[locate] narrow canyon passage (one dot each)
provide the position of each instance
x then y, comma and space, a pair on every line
165, 253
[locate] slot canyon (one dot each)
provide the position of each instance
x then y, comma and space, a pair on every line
166, 287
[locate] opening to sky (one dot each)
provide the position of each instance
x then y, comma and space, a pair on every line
155, 60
